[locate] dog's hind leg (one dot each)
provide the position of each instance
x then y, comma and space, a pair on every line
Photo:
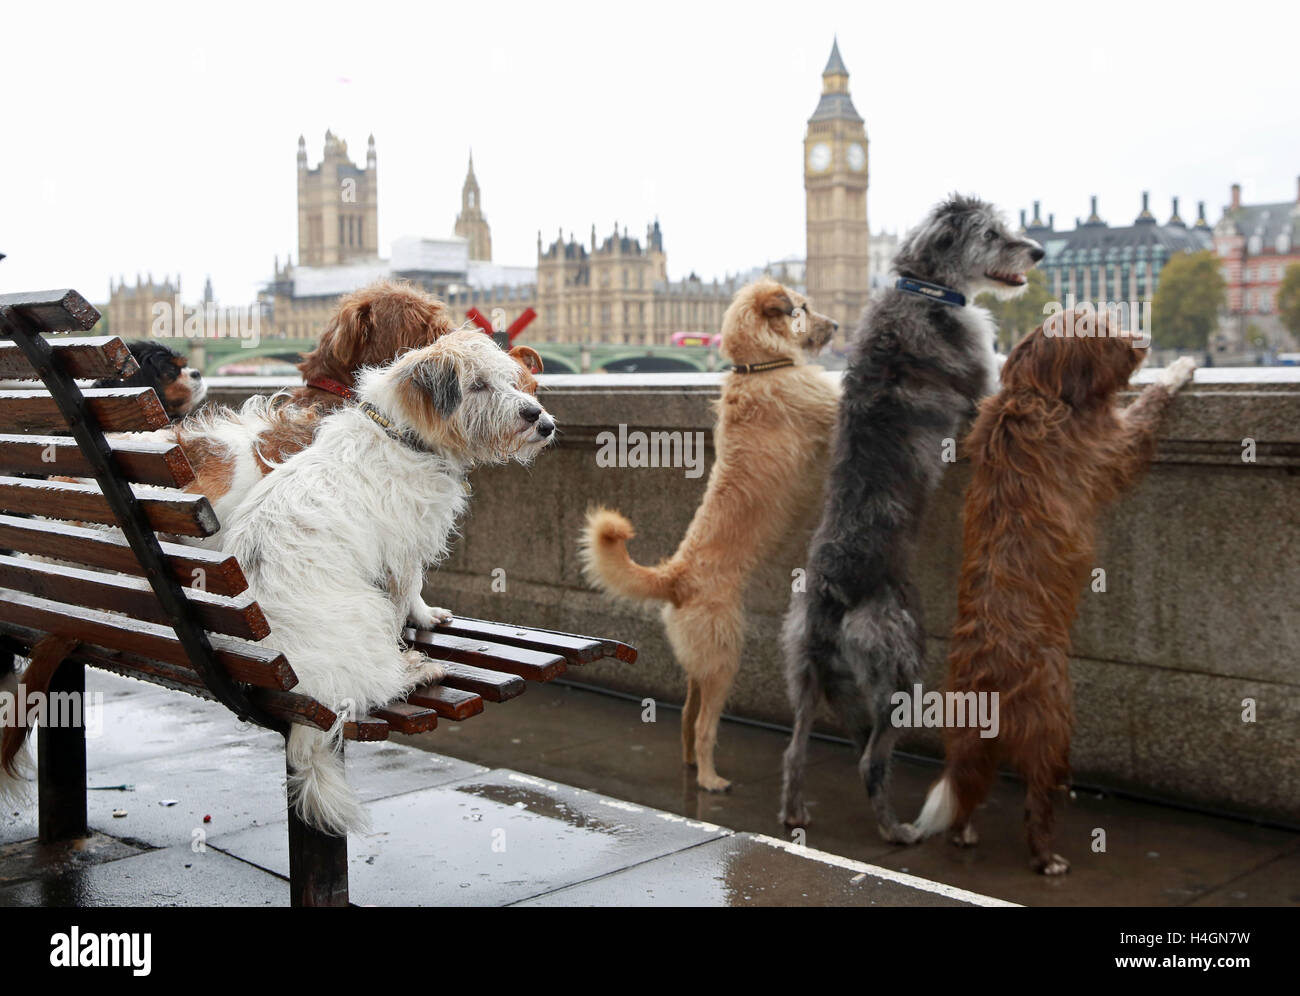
968, 773
805, 694
706, 638
874, 767
714, 687
690, 712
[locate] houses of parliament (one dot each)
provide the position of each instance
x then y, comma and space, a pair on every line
609, 286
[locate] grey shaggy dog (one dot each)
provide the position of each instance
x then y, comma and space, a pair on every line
917, 369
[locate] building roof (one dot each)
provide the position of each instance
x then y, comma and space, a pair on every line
1094, 240
835, 103
1267, 221
835, 65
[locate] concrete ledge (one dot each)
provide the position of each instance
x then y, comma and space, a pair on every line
1202, 566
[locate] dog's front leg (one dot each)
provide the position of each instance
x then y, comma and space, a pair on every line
423, 616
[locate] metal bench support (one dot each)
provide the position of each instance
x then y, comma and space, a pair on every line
318, 865
61, 762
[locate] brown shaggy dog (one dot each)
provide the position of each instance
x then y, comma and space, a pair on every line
774, 424
1046, 453
370, 328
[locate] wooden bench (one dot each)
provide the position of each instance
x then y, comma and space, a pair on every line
178, 616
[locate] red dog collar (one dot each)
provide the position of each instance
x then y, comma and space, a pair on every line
334, 387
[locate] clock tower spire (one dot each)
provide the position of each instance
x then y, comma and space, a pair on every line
835, 182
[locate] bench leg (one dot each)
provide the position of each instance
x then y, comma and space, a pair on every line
61, 761
318, 866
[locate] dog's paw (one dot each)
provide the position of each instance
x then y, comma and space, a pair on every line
795, 816
900, 833
966, 836
424, 670
713, 783
1055, 865
428, 616
1178, 374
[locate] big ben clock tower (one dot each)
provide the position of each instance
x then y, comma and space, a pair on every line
835, 180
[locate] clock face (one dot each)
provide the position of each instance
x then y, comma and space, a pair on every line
820, 157
857, 157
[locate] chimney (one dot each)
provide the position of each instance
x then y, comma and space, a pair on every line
1236, 196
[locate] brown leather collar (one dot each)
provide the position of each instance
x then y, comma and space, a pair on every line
753, 368
333, 386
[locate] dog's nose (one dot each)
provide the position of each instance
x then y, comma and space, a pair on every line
835, 326
1036, 253
531, 414
196, 374
545, 426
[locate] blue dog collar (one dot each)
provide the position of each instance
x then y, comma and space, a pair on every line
935, 292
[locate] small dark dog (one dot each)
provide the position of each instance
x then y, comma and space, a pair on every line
918, 365
179, 387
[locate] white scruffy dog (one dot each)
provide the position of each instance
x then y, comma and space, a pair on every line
335, 541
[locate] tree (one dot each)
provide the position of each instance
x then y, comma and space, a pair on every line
1185, 309
1019, 316
1288, 300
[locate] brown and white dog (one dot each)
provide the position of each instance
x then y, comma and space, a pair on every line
336, 542
774, 423
1046, 453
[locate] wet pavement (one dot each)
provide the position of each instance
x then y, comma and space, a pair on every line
187, 808
1153, 855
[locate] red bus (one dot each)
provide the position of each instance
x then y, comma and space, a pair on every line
696, 339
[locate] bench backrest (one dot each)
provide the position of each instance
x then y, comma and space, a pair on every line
80, 514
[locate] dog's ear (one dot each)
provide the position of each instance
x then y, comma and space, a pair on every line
775, 302
439, 378
527, 357
349, 333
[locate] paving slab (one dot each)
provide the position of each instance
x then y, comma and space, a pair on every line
755, 870
489, 840
241, 785
173, 876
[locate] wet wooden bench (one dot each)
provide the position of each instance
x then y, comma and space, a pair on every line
178, 616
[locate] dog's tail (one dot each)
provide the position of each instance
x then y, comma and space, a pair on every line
47, 654
318, 788
940, 807
607, 564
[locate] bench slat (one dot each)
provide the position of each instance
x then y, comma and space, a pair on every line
575, 650
246, 662
241, 617
107, 549
531, 664
88, 357
62, 310
491, 685
449, 703
367, 729
117, 409
406, 718
142, 461
167, 511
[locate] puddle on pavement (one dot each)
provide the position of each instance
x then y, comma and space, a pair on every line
521, 797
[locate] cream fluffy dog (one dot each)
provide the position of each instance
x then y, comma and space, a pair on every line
774, 423
335, 542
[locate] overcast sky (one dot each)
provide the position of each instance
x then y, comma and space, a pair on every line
141, 137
